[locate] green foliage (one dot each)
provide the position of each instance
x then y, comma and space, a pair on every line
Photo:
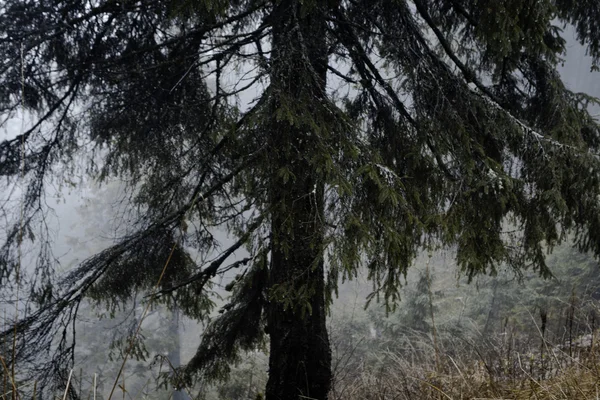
426, 143
210, 9
240, 327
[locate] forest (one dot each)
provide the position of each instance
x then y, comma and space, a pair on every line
299, 199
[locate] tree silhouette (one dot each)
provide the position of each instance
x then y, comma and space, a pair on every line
379, 128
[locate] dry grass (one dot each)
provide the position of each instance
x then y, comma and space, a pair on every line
390, 375
395, 377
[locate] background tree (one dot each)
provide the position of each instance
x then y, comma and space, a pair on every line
373, 135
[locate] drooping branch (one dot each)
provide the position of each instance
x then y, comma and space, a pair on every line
369, 72
213, 268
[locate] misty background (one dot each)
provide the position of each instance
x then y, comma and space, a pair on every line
485, 325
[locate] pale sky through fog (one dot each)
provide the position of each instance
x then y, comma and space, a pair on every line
576, 72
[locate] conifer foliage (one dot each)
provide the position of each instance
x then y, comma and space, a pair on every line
378, 128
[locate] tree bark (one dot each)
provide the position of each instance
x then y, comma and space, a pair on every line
300, 356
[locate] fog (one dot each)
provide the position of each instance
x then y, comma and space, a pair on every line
86, 217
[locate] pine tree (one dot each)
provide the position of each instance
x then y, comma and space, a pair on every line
379, 128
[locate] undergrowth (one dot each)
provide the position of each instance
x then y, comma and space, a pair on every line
467, 374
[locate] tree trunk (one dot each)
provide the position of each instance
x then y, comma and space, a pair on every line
300, 357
